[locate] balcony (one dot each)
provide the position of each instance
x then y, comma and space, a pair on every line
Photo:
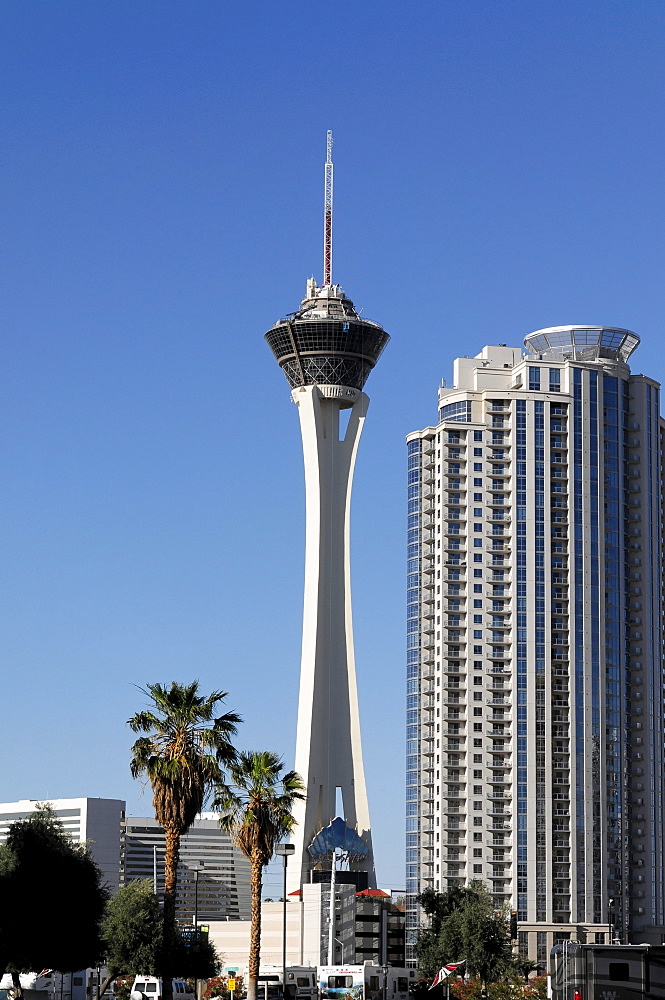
454, 528
500, 534
501, 549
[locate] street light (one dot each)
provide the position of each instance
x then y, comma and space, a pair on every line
196, 867
284, 851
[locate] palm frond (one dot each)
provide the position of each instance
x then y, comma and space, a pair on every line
185, 750
257, 809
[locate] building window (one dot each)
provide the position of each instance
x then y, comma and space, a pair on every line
456, 411
555, 380
534, 379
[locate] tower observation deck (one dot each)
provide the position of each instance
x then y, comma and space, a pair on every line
327, 351
326, 342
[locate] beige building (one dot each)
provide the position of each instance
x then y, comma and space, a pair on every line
535, 633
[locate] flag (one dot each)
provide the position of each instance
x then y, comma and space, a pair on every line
446, 971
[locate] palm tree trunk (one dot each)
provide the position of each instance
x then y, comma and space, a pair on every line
171, 858
256, 884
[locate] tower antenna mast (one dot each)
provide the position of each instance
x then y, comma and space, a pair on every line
327, 213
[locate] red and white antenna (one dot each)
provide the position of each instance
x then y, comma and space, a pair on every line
327, 213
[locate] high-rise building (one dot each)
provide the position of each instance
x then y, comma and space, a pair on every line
535, 640
213, 874
326, 350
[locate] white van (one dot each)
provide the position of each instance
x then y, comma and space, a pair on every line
150, 988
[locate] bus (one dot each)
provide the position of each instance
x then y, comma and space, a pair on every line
607, 971
364, 982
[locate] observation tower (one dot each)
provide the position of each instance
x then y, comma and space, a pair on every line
326, 350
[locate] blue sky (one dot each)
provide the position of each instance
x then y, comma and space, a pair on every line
498, 168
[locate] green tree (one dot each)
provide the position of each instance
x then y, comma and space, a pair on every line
39, 861
439, 906
257, 812
523, 966
469, 927
183, 755
132, 932
196, 960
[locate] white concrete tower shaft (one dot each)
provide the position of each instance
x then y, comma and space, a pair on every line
328, 743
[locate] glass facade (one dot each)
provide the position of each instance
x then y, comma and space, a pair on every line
456, 411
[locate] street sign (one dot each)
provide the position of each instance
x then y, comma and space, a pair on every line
231, 984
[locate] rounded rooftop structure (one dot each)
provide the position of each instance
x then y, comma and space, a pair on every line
582, 343
326, 342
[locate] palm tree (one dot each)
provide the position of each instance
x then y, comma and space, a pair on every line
183, 756
524, 966
257, 811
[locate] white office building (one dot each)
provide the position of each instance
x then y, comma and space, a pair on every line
94, 822
535, 681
